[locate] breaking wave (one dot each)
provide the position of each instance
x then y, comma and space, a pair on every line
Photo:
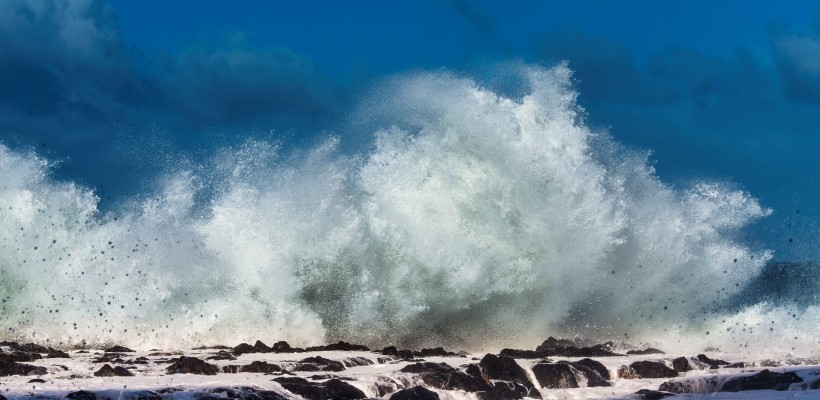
473, 220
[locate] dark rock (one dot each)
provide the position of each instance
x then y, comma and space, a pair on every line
815, 384
108, 358
503, 368
240, 393
36, 380
653, 394
319, 363
261, 347
646, 369
555, 376
681, 364
356, 362
191, 365
443, 376
436, 352
57, 354
107, 370
81, 395
261, 367
403, 354
138, 360
715, 362
244, 348
284, 347
528, 354
332, 389
554, 344
761, 381
139, 395
30, 348
595, 366
594, 372
415, 393
13, 368
118, 349
650, 350
340, 346
19, 356
473, 370
222, 355
568, 348
737, 365
231, 369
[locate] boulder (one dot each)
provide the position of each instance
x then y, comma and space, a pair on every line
555, 376
191, 365
118, 349
501, 368
318, 363
81, 395
681, 364
244, 348
646, 369
760, 381
13, 368
713, 362
107, 370
415, 393
260, 367
650, 350
527, 354
332, 389
593, 371
647, 394
443, 376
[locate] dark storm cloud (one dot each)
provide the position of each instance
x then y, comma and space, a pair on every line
67, 76
72, 86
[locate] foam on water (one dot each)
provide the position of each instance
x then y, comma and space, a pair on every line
475, 220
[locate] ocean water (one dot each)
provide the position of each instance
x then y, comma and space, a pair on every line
473, 219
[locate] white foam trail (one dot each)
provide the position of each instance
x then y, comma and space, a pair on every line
475, 220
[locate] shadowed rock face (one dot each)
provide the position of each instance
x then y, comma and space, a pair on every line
501, 368
191, 365
107, 370
415, 393
762, 380
566, 374
568, 348
646, 369
332, 389
13, 368
443, 376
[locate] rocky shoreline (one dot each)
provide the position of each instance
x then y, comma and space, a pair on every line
556, 369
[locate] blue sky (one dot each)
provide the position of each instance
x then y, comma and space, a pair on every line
726, 90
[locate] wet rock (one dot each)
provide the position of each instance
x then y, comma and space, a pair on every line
415, 393
403, 354
593, 371
332, 389
13, 368
191, 365
356, 362
139, 395
646, 369
30, 348
443, 376
713, 362
340, 346
118, 349
36, 380
19, 356
736, 365
436, 352
681, 364
244, 348
760, 381
385, 385
568, 348
650, 350
261, 347
318, 363
284, 347
261, 367
815, 384
109, 358
555, 376
107, 370
501, 368
239, 393
57, 354
81, 395
527, 354
222, 355
647, 394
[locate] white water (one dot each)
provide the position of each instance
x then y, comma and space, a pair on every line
475, 220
